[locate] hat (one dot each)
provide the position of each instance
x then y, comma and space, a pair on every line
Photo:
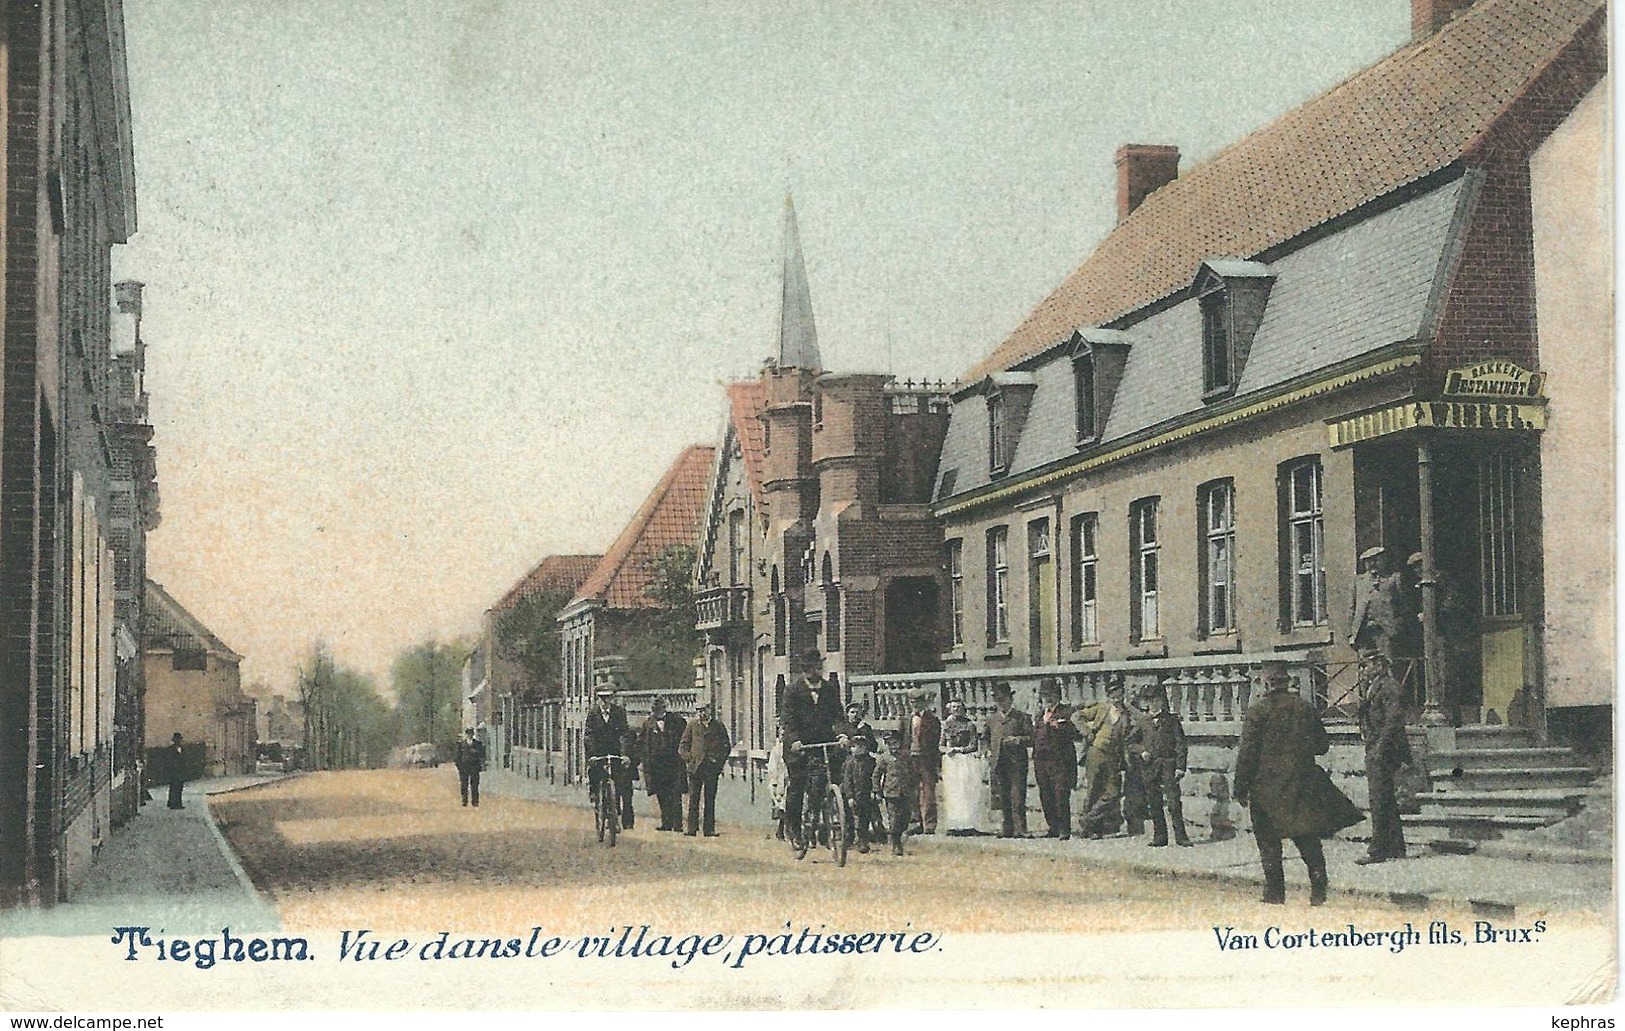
605, 689
1415, 559
812, 658
856, 703
1274, 670
1151, 692
1371, 553
1002, 690
1048, 686
1114, 685
469, 731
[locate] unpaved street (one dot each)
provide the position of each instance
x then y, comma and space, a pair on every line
394, 849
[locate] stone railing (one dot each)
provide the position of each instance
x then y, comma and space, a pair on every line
636, 703
1206, 689
718, 608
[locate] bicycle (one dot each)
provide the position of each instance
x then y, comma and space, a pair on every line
830, 822
606, 808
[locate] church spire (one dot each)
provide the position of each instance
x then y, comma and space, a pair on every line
798, 338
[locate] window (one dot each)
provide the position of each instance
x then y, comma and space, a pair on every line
1304, 546
832, 606
1083, 378
1040, 592
998, 585
1085, 587
956, 592
997, 459
1218, 355
1144, 546
781, 615
736, 547
1497, 534
1217, 503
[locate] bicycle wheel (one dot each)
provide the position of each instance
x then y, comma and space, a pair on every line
835, 820
612, 812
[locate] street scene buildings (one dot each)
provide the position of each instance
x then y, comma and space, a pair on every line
1312, 437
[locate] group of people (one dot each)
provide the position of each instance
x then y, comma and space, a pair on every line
674, 756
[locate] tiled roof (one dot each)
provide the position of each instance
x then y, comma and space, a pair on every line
670, 515
1417, 111
746, 402
165, 623
553, 573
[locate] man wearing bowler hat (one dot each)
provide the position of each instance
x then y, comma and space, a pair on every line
1009, 733
809, 714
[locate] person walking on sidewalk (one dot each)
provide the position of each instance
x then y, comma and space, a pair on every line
663, 777
1158, 740
704, 751
1055, 759
1382, 728
1009, 733
470, 761
1286, 791
176, 756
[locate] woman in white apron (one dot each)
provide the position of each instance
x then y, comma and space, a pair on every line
964, 774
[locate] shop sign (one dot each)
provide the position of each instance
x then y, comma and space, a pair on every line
1493, 379
1447, 415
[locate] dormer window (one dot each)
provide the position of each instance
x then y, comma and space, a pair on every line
998, 458
1083, 377
1232, 294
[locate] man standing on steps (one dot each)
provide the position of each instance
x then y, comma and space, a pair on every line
470, 761
1286, 791
1382, 728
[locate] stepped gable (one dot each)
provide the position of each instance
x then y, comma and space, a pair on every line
670, 515
1421, 109
165, 623
553, 573
746, 404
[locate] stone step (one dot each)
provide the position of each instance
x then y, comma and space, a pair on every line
1549, 806
1482, 758
1490, 736
1503, 777
1478, 826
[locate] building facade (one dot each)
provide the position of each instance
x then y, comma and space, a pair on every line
70, 196
194, 688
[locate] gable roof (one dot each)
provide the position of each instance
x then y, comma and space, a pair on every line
553, 573
165, 623
1417, 111
746, 403
669, 515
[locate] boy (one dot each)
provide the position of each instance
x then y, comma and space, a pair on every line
857, 780
894, 783
1158, 742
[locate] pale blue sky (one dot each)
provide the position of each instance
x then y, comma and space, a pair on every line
435, 290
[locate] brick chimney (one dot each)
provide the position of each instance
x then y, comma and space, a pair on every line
1143, 168
1429, 16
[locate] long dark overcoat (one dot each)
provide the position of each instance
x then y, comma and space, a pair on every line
1055, 748
1276, 769
657, 745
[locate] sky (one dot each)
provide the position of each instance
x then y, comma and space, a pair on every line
435, 290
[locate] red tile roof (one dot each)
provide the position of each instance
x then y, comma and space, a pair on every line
746, 402
554, 573
670, 515
1414, 113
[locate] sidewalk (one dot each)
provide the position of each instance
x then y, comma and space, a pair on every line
167, 869
1497, 886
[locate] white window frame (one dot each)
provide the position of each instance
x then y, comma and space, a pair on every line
998, 585
1217, 504
1306, 544
1085, 579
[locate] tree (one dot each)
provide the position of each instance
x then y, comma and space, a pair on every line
662, 655
527, 635
427, 681
347, 724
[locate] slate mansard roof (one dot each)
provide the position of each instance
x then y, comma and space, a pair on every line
670, 515
1415, 113
1374, 284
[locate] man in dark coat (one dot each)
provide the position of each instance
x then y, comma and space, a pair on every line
1009, 733
922, 736
470, 761
1382, 728
607, 734
663, 774
704, 751
809, 713
175, 755
1381, 612
1287, 792
1158, 744
1055, 759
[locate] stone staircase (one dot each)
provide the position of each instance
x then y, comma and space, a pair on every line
1488, 780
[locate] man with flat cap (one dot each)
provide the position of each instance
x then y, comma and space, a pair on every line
607, 734
1284, 788
1380, 615
1105, 727
1009, 733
